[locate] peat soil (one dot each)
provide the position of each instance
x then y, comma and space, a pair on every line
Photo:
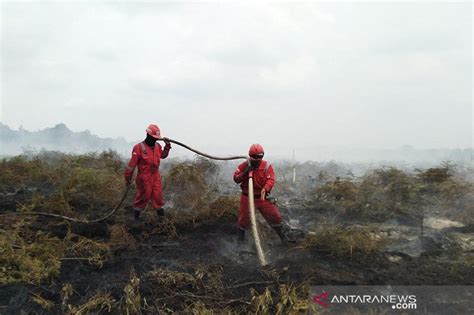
214, 246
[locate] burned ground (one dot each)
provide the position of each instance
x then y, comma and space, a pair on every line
386, 226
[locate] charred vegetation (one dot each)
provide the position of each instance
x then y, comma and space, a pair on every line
384, 226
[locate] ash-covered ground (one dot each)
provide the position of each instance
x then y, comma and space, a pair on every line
353, 225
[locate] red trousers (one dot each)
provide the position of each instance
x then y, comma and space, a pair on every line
267, 209
148, 188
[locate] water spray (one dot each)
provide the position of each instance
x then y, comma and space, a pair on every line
256, 236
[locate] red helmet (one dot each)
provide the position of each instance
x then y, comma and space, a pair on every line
256, 151
154, 131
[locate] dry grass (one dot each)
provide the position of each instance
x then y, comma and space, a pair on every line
29, 256
200, 308
95, 305
86, 185
187, 183
120, 238
171, 280
262, 303
43, 302
353, 242
83, 248
437, 174
220, 209
64, 184
215, 210
200, 290
89, 189
131, 301
389, 192
191, 189
294, 299
54, 203
289, 299
19, 172
66, 292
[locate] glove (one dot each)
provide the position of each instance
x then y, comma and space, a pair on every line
242, 175
167, 141
128, 181
249, 167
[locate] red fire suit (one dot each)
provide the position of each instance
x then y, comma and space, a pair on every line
263, 177
148, 179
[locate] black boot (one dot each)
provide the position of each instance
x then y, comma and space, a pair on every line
241, 235
136, 214
283, 235
160, 212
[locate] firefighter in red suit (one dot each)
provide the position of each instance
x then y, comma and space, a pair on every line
146, 157
263, 181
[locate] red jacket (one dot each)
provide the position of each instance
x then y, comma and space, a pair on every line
263, 177
146, 158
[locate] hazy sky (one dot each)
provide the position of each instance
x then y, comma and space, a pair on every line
223, 76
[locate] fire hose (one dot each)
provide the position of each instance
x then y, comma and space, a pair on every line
237, 157
256, 236
127, 188
111, 213
261, 254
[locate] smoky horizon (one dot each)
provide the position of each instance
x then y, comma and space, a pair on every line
308, 77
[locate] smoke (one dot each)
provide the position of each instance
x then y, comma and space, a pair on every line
358, 160
58, 138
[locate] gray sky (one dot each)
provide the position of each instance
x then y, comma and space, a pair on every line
223, 76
